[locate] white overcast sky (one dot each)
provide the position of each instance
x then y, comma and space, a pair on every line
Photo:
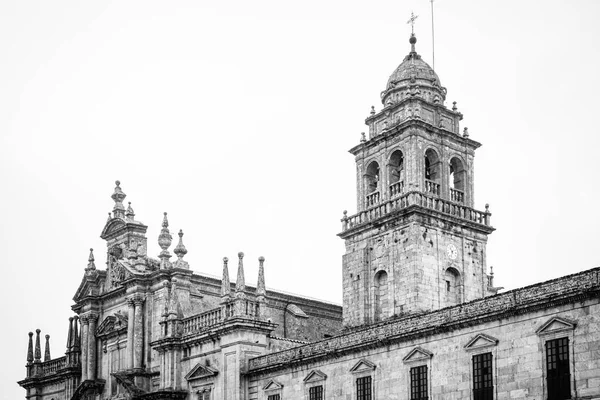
236, 117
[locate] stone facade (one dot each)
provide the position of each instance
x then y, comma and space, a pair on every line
421, 318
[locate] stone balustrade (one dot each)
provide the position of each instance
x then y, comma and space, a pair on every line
540, 296
396, 189
417, 199
372, 199
199, 322
234, 308
50, 367
432, 187
457, 196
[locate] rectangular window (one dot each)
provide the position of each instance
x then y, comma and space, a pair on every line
204, 395
274, 397
418, 383
557, 366
363, 388
315, 393
483, 385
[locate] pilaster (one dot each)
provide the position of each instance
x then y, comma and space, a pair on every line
138, 332
130, 332
84, 347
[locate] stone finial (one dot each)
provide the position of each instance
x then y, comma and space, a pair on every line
225, 284
47, 349
180, 249
38, 349
372, 110
260, 285
363, 137
240, 283
454, 106
118, 196
129, 214
173, 300
30, 349
109, 217
91, 265
164, 241
76, 334
466, 132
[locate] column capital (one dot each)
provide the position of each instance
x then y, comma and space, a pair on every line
139, 300
84, 320
130, 301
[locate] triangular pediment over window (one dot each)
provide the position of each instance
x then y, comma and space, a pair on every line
363, 365
112, 323
201, 372
315, 375
272, 385
481, 340
417, 354
556, 324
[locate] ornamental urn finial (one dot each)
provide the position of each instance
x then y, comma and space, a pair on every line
91, 265
129, 214
180, 249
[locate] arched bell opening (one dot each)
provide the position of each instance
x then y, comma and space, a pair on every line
432, 172
457, 180
396, 173
372, 177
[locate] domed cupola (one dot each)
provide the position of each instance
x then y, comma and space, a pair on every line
413, 77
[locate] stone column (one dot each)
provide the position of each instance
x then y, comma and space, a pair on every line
138, 332
130, 328
91, 346
84, 348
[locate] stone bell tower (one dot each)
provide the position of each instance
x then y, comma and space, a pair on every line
416, 243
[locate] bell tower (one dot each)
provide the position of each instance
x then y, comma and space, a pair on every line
416, 243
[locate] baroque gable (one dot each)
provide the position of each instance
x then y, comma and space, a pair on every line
556, 324
315, 375
481, 340
112, 324
362, 366
417, 354
272, 384
201, 372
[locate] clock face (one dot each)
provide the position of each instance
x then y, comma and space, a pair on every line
451, 251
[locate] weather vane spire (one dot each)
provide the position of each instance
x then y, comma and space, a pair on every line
411, 21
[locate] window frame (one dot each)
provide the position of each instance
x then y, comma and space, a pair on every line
492, 369
545, 335
313, 379
356, 386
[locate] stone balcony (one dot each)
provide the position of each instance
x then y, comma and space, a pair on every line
412, 201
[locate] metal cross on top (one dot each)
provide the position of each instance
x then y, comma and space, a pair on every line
411, 21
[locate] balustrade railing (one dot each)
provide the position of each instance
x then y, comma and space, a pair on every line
432, 187
372, 199
419, 199
50, 367
396, 188
457, 195
234, 308
198, 322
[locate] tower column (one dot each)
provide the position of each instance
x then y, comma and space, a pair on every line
138, 332
84, 349
91, 347
130, 329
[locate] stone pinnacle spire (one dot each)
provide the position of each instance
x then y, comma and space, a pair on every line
70, 335
38, 349
118, 196
47, 349
164, 241
91, 265
30, 349
240, 283
260, 286
225, 284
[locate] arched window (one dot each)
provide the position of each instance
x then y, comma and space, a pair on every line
432, 172
396, 173
381, 296
372, 183
452, 287
457, 178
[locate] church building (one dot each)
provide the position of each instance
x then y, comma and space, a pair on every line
421, 317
